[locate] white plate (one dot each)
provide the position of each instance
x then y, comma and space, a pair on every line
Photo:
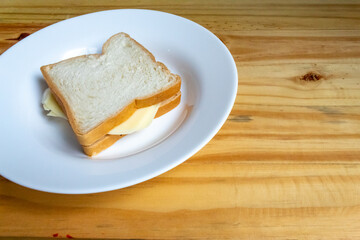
42, 153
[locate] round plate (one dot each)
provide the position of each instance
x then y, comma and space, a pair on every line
42, 153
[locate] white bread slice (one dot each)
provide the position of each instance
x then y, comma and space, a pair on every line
100, 91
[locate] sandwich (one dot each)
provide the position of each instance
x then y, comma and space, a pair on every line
109, 95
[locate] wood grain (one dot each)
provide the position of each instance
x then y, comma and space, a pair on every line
286, 164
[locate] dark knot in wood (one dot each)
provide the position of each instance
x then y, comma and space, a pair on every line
21, 37
311, 77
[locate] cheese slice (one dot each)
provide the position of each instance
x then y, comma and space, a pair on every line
139, 120
50, 104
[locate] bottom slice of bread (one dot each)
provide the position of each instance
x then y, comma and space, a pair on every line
109, 140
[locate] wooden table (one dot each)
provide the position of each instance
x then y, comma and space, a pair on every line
286, 164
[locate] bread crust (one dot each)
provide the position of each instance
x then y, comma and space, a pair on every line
168, 105
101, 145
98, 132
109, 140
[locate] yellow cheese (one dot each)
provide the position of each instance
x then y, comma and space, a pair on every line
140, 119
50, 104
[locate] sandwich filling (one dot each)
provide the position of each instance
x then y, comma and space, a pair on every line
139, 120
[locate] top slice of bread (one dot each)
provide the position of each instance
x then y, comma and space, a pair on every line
100, 91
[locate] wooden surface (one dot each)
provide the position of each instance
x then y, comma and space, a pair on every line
286, 164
